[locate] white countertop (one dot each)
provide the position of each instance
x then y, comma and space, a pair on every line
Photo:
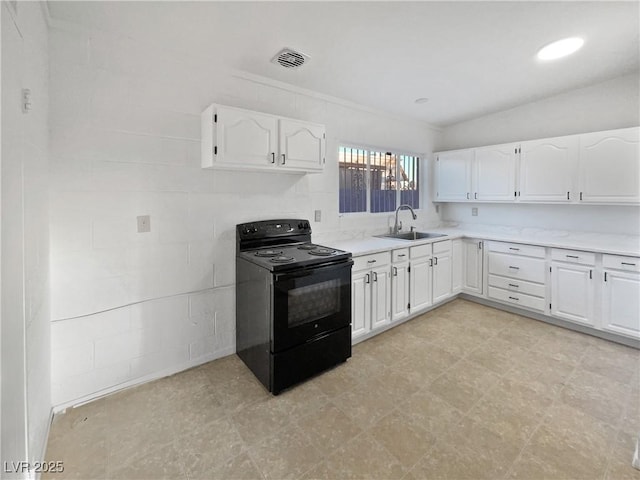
589, 241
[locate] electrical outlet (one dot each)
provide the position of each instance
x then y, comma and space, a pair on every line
144, 223
474, 212
318, 215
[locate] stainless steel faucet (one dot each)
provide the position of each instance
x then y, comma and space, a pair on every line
398, 226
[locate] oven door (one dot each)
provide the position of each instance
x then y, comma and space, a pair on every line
309, 303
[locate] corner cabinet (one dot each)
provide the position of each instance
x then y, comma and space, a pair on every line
453, 176
486, 174
238, 139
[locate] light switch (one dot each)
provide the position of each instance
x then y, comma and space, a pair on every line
144, 223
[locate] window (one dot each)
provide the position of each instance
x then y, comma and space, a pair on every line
373, 181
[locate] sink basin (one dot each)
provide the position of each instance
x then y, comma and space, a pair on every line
412, 235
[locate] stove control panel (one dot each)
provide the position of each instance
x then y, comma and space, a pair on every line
273, 228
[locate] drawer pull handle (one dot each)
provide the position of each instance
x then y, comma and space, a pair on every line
402, 255
367, 278
375, 277
371, 261
435, 260
514, 298
515, 268
431, 262
395, 271
284, 159
572, 256
513, 248
514, 285
630, 264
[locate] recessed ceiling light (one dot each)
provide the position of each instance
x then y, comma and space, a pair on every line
560, 49
421, 100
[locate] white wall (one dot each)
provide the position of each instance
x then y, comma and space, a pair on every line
604, 106
608, 105
26, 399
125, 141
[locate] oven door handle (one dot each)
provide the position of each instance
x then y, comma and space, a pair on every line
312, 270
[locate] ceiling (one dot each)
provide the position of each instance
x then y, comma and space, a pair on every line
468, 58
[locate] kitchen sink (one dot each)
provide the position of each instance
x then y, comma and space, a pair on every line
412, 235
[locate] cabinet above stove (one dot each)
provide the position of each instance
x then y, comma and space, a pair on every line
238, 139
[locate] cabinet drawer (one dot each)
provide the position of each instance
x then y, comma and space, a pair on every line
524, 268
400, 255
517, 249
374, 260
519, 299
631, 264
420, 251
442, 247
573, 256
517, 286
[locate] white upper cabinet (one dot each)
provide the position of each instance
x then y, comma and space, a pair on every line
234, 138
239, 138
302, 145
609, 166
453, 175
494, 171
547, 169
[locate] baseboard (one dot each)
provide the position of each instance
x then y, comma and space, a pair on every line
45, 444
141, 380
612, 337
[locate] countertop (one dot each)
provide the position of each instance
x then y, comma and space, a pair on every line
589, 241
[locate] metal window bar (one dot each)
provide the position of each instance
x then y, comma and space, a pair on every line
352, 171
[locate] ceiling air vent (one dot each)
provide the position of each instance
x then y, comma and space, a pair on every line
289, 58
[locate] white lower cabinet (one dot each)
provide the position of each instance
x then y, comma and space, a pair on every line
442, 270
621, 295
420, 295
457, 265
370, 293
517, 275
400, 284
573, 286
472, 266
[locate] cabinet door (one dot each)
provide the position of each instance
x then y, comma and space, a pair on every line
442, 269
621, 303
302, 145
453, 175
244, 138
360, 303
547, 169
420, 283
472, 266
380, 297
457, 262
399, 291
572, 292
495, 173
609, 166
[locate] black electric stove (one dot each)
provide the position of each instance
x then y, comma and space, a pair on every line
293, 302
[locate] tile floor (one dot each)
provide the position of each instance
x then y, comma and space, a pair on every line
464, 391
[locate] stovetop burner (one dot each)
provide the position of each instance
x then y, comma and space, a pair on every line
281, 259
308, 246
322, 252
268, 253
